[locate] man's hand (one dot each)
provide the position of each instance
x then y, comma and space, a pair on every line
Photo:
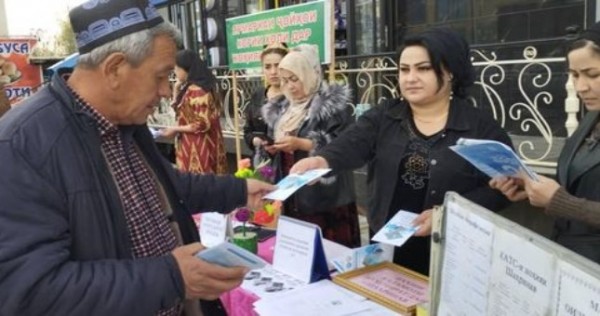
540, 192
310, 163
512, 188
202, 279
424, 221
256, 190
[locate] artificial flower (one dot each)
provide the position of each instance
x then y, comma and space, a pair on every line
263, 215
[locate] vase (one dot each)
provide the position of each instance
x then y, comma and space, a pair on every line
248, 241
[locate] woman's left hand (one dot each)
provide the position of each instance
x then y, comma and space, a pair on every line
540, 192
424, 223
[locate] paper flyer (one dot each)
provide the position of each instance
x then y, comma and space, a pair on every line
364, 256
229, 255
492, 157
397, 231
290, 184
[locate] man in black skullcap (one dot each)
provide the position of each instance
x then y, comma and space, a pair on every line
92, 220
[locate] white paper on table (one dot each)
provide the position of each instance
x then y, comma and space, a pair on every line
398, 229
213, 229
522, 277
578, 293
267, 282
315, 299
294, 181
334, 250
295, 246
372, 308
466, 263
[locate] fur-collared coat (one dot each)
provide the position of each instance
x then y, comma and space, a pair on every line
328, 115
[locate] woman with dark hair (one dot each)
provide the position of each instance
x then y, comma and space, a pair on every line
316, 113
255, 129
405, 141
575, 198
199, 144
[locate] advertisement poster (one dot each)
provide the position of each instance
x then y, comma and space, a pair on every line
20, 78
307, 23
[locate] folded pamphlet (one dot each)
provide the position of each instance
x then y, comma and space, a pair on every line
229, 255
492, 157
294, 181
398, 230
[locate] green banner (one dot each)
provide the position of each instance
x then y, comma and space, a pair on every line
304, 23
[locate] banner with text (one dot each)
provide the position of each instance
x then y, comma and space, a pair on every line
304, 23
20, 78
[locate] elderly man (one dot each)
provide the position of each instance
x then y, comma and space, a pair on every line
92, 220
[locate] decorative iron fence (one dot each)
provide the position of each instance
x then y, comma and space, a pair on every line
526, 94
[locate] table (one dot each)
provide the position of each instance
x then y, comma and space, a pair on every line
238, 302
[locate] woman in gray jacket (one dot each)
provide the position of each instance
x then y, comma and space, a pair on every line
575, 197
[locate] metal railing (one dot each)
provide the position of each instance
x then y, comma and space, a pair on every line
528, 96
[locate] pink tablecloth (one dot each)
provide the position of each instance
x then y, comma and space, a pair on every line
238, 302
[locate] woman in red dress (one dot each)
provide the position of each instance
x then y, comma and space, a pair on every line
199, 140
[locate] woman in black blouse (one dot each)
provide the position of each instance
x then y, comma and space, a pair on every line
405, 141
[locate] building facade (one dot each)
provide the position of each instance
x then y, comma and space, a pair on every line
518, 49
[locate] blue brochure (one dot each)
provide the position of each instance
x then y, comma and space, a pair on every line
229, 255
492, 157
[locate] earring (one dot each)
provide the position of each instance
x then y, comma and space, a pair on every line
401, 99
451, 95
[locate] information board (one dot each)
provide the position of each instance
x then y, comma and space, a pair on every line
484, 264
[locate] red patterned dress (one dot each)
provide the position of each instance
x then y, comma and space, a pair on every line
202, 151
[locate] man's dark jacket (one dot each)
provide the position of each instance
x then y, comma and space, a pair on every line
64, 243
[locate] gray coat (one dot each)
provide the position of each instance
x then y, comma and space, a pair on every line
575, 234
328, 116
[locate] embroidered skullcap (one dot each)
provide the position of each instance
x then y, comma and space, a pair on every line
97, 22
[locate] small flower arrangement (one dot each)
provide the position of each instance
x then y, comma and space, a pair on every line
265, 214
262, 172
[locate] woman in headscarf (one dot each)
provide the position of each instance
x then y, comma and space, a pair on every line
255, 128
315, 114
405, 141
199, 143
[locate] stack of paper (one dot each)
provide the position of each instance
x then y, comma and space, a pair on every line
316, 299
